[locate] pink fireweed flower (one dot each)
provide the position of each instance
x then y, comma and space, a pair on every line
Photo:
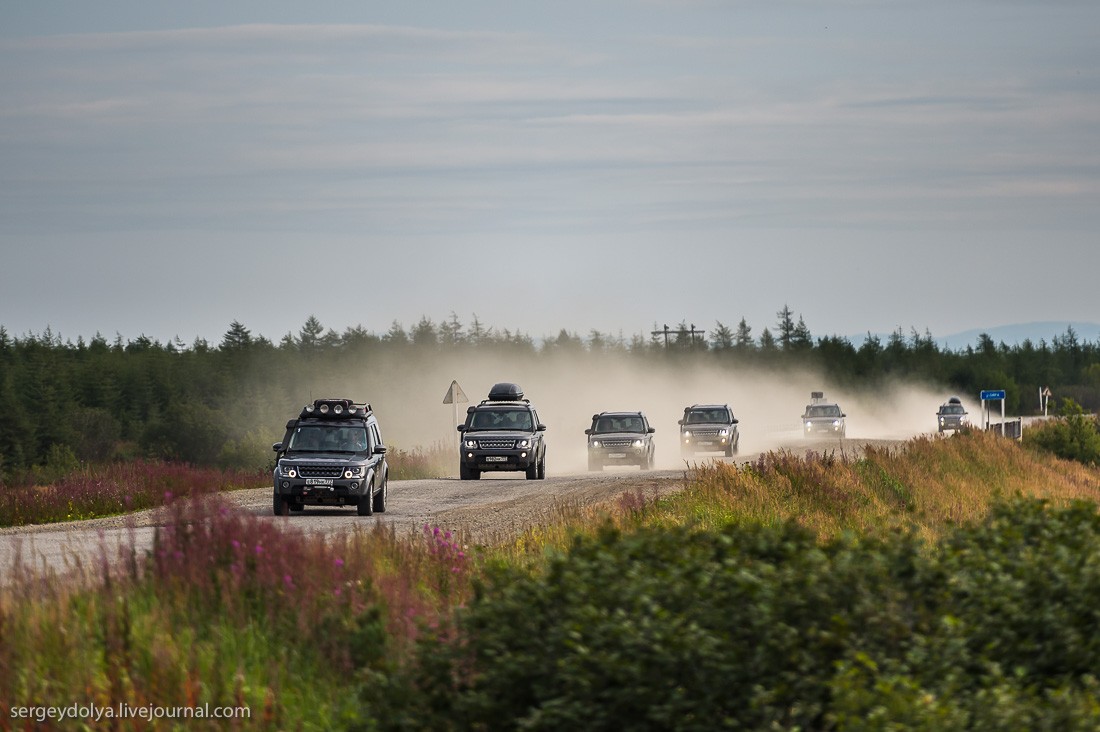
338, 562
259, 549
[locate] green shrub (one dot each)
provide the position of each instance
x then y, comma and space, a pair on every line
1075, 436
767, 628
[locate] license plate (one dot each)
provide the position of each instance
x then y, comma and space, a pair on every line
318, 481
706, 442
496, 459
616, 454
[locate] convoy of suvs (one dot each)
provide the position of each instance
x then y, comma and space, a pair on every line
332, 454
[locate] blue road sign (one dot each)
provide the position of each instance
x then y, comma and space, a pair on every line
991, 394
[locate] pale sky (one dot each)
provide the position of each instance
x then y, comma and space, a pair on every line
168, 168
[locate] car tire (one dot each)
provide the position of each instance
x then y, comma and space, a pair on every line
280, 505
542, 468
467, 473
365, 506
382, 496
532, 472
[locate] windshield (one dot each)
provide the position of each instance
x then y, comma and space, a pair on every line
711, 416
952, 409
627, 423
328, 438
827, 410
502, 419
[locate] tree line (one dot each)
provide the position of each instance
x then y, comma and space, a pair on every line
218, 403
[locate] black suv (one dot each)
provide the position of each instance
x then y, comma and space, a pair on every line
620, 438
952, 415
332, 455
503, 432
708, 428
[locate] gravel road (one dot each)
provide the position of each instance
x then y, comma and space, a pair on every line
496, 506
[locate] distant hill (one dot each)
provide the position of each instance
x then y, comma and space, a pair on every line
1012, 335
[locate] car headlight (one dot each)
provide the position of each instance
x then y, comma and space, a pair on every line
288, 471
836, 423
809, 425
524, 443
723, 432
687, 433
638, 443
595, 443
471, 443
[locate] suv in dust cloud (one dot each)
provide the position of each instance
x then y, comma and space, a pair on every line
951, 415
708, 428
823, 418
503, 432
331, 455
620, 438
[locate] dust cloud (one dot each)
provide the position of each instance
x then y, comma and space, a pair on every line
567, 389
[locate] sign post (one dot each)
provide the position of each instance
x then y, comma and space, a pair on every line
989, 395
453, 396
1044, 398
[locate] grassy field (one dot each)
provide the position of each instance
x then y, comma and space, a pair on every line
231, 611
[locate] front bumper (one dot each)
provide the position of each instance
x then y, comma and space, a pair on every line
336, 491
483, 460
626, 454
823, 428
706, 443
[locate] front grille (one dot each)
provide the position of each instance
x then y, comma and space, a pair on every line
320, 471
704, 433
616, 443
497, 444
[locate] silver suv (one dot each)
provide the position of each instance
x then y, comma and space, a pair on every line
823, 418
620, 438
708, 428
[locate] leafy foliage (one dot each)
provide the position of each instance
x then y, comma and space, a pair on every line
767, 628
1076, 436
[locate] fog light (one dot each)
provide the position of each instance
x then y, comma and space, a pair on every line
338, 409
286, 484
523, 454
355, 486
469, 455
324, 409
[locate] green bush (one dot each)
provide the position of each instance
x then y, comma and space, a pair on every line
766, 628
1075, 436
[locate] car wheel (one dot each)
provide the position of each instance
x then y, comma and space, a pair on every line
365, 506
542, 467
382, 495
280, 505
532, 472
467, 473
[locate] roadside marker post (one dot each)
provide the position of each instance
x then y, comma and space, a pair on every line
453, 396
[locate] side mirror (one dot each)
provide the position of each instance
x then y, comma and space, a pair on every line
277, 446
842, 414
679, 421
736, 421
541, 428
379, 449
588, 431
651, 430
462, 428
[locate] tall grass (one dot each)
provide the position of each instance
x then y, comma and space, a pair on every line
231, 610
929, 483
94, 491
435, 461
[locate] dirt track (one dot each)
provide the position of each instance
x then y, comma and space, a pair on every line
493, 507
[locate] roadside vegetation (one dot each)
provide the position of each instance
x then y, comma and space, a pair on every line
951, 583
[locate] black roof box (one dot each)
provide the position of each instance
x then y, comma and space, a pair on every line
954, 400
505, 392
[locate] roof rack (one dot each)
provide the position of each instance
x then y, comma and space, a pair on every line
335, 409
